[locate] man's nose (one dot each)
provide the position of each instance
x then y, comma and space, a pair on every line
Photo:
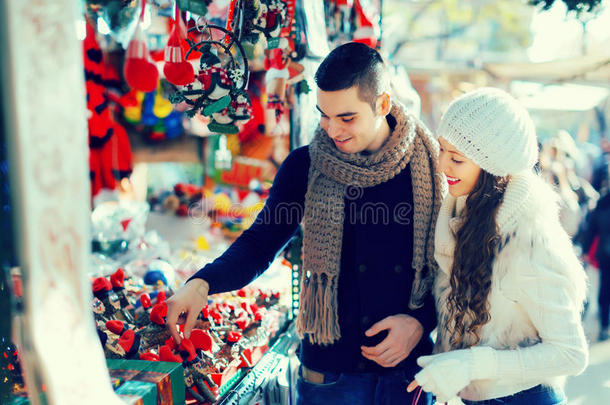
334, 130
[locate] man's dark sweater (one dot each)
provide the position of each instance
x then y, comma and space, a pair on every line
375, 277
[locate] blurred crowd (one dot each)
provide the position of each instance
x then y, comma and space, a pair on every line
580, 173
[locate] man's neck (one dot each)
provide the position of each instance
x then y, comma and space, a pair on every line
382, 135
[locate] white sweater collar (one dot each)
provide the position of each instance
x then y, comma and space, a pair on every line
519, 192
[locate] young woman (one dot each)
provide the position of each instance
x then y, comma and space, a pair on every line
509, 290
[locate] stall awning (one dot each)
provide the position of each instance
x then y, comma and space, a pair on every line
592, 68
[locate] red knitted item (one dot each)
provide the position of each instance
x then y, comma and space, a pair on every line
166, 354
118, 278
101, 284
233, 337
161, 297
116, 327
139, 71
148, 356
171, 343
126, 340
187, 349
158, 313
145, 301
201, 339
176, 70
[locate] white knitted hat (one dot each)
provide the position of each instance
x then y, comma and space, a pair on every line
493, 129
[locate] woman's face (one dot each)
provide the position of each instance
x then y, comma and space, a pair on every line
462, 173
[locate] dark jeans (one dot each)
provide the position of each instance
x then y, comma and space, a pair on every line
604, 296
358, 389
538, 395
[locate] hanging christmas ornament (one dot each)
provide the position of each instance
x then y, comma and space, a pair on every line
177, 70
242, 109
281, 70
244, 15
139, 71
220, 80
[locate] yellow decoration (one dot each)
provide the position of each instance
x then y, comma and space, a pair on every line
162, 107
222, 203
202, 243
133, 114
233, 144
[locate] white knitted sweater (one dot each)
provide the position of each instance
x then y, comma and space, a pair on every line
538, 287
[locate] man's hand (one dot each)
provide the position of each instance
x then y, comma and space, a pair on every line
404, 333
185, 305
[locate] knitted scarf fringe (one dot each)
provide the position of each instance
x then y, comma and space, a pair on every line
330, 174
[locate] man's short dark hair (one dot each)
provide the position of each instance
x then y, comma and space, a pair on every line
354, 64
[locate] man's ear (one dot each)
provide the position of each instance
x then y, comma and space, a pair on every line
383, 104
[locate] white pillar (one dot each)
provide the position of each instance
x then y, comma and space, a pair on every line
48, 154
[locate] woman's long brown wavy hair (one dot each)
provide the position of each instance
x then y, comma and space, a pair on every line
475, 249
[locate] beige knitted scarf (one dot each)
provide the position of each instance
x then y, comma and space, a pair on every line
330, 174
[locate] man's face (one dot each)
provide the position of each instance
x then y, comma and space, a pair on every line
351, 123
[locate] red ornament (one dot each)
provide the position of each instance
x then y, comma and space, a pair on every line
116, 327
160, 297
187, 349
117, 279
127, 339
145, 300
166, 354
139, 71
176, 70
101, 284
158, 313
201, 339
148, 356
233, 337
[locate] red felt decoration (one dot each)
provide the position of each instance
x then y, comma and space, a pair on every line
176, 70
125, 224
187, 349
171, 343
148, 356
139, 71
145, 301
127, 339
201, 339
116, 327
233, 337
158, 313
242, 322
166, 354
161, 297
118, 278
101, 284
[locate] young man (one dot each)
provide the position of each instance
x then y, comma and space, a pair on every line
367, 192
